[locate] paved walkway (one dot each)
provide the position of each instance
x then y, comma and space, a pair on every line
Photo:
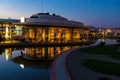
59, 69
80, 72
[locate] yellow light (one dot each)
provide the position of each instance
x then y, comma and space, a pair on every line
6, 33
93, 33
108, 30
60, 30
6, 54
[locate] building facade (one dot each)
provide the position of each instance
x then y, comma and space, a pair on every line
7, 28
43, 27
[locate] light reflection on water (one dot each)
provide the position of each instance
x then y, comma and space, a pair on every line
28, 63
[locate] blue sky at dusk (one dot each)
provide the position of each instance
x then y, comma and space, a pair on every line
99, 13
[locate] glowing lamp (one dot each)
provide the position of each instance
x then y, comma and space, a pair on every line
22, 66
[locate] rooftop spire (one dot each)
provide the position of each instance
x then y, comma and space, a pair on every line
42, 6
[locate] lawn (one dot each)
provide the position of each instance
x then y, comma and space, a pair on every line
111, 51
102, 66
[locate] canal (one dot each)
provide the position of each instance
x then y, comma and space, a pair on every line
28, 63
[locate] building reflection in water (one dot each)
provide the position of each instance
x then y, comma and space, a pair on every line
8, 53
23, 63
29, 57
43, 53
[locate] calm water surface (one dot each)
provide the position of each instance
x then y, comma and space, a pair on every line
32, 64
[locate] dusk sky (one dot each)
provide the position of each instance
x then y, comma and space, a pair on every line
98, 13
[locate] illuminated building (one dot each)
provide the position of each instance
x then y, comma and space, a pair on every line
43, 27
110, 32
7, 29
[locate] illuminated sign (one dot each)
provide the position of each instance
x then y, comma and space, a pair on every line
22, 20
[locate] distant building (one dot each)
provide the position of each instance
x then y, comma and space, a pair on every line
109, 32
93, 32
6, 27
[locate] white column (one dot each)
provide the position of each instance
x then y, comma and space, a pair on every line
6, 32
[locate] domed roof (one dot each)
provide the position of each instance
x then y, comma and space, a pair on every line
46, 18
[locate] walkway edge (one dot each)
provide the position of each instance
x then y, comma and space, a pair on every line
52, 70
65, 68
65, 55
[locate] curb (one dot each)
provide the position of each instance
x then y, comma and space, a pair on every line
65, 67
52, 70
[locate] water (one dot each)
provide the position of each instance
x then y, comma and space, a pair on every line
107, 41
9, 70
34, 66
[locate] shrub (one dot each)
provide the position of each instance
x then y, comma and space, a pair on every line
102, 44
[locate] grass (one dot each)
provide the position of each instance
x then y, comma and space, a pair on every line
103, 78
111, 51
102, 66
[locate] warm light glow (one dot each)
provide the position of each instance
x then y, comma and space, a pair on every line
6, 54
60, 30
6, 33
22, 66
93, 33
31, 34
108, 30
53, 34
